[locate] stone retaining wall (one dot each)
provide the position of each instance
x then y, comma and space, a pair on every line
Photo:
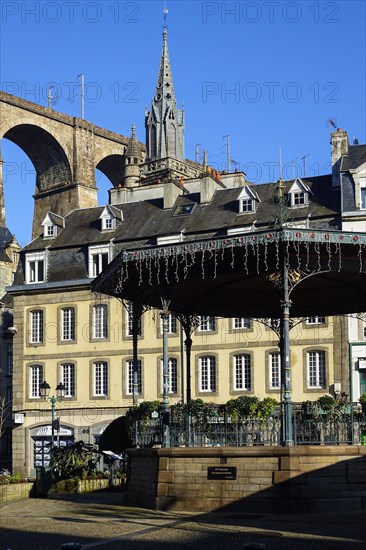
267, 479
15, 491
71, 486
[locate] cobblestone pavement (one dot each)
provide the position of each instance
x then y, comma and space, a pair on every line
101, 521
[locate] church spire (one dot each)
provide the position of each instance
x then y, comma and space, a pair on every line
164, 122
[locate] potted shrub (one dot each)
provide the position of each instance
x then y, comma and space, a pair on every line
74, 462
363, 402
326, 404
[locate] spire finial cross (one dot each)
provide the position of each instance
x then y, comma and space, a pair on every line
165, 12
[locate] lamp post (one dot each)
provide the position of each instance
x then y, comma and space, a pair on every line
44, 390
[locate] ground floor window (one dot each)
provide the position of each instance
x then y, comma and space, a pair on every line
274, 371
242, 372
207, 374
316, 369
129, 373
173, 375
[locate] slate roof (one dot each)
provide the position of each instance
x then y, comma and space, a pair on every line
5, 238
56, 219
355, 158
144, 221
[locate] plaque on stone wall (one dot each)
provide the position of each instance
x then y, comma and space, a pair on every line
221, 472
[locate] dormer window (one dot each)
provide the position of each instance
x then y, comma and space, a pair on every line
299, 198
108, 223
35, 268
99, 258
109, 218
50, 230
298, 194
248, 200
52, 225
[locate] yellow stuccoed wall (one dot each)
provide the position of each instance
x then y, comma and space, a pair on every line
86, 414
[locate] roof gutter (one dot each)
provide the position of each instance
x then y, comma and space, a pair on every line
16, 289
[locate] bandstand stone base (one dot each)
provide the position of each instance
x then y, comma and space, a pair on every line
266, 479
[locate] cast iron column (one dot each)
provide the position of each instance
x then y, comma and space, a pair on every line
136, 314
165, 320
188, 344
287, 432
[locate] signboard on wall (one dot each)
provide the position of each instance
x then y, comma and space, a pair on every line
46, 431
221, 472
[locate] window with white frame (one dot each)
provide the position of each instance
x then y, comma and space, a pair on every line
274, 371
206, 323
108, 223
363, 198
68, 324
35, 379
298, 193
242, 372
172, 324
98, 259
129, 376
129, 321
36, 326
173, 375
68, 379
315, 320
100, 321
9, 358
35, 268
316, 372
207, 374
241, 323
50, 230
246, 205
247, 200
298, 198
100, 379
109, 218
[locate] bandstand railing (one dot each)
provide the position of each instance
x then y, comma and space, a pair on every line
348, 428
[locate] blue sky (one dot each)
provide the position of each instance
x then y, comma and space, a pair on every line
268, 74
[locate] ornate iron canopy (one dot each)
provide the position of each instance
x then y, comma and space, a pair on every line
241, 275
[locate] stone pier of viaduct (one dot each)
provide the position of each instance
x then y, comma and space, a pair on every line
65, 152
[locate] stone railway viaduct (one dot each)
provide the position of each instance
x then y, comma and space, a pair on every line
65, 152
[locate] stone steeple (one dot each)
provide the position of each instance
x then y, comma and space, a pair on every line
164, 122
132, 161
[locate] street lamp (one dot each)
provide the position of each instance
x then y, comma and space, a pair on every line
44, 391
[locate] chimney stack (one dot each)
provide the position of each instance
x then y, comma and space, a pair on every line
339, 142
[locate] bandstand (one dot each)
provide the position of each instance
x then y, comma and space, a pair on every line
280, 273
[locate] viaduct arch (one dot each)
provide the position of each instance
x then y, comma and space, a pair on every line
65, 152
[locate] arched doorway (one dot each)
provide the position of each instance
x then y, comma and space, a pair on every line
40, 444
